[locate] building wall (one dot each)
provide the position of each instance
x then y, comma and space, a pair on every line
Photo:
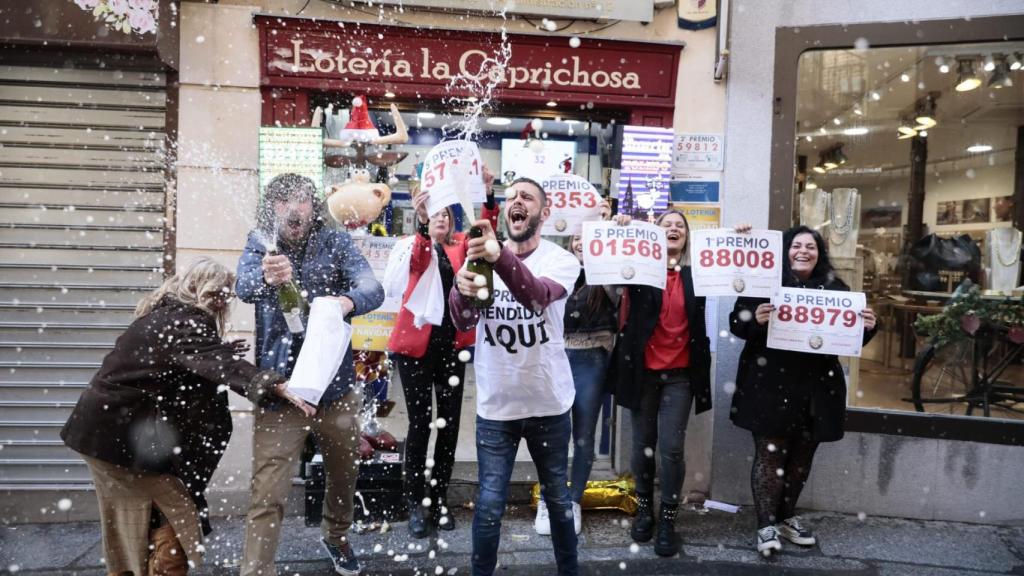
220, 117
870, 473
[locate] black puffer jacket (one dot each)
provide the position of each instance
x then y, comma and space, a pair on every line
157, 403
782, 393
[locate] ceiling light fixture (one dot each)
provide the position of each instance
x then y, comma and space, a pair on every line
1000, 77
923, 133
1016, 61
499, 121
426, 115
875, 96
859, 131
819, 168
905, 77
967, 79
943, 66
989, 63
924, 112
552, 103
389, 94
979, 148
811, 185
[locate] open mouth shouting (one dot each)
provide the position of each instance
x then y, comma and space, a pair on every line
518, 214
673, 235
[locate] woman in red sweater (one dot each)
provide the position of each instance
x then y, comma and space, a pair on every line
427, 358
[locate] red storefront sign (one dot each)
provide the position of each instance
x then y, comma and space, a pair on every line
413, 62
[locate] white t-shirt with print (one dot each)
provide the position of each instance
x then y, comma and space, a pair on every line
521, 367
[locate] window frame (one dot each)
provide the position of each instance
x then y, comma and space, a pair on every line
790, 44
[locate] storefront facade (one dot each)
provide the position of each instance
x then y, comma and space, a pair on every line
274, 69
88, 118
803, 86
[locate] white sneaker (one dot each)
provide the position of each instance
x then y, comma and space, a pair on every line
791, 529
577, 517
768, 540
542, 524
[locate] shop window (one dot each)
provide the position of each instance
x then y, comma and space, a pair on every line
906, 160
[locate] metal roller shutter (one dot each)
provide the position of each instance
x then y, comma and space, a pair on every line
82, 155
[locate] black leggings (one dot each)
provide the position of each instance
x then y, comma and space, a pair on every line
775, 494
419, 377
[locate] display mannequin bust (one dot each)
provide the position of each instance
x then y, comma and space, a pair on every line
844, 223
1003, 247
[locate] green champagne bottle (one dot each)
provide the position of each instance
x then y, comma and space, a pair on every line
485, 268
293, 305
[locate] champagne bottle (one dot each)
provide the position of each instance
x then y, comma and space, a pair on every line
293, 305
485, 268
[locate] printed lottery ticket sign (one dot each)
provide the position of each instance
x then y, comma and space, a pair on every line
634, 254
573, 201
726, 263
817, 321
452, 175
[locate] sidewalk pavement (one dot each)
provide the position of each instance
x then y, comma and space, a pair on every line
714, 543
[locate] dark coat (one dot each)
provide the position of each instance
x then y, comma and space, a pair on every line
782, 393
625, 373
331, 265
170, 363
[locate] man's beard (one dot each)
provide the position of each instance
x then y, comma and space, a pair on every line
533, 224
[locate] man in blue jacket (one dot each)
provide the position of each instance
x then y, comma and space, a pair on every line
324, 262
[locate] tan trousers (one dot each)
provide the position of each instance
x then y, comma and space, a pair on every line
278, 439
125, 499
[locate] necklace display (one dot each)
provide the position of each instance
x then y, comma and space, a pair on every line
839, 230
1014, 252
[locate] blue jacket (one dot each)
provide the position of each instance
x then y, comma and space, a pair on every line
331, 266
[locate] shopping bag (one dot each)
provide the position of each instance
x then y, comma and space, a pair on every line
327, 340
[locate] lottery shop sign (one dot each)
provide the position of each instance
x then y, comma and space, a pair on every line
416, 62
726, 263
634, 254
817, 321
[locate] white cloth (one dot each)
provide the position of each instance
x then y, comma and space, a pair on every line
426, 302
521, 367
327, 340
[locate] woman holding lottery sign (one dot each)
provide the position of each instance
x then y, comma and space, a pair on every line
661, 367
790, 401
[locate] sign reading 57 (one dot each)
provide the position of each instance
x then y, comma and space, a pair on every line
727, 263
452, 175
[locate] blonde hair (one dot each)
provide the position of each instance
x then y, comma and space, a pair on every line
199, 285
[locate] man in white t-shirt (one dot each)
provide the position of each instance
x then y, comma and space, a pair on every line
523, 380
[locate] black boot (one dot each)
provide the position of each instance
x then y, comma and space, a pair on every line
666, 543
440, 515
643, 523
418, 527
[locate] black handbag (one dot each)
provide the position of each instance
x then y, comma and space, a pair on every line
933, 253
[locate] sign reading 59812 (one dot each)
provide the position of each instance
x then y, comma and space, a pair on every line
634, 254
727, 263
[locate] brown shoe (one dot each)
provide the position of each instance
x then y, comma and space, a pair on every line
168, 557
382, 441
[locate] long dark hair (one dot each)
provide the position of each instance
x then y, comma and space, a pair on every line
822, 269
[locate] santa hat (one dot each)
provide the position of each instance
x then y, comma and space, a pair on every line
359, 117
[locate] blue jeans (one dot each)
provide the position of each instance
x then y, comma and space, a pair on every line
496, 444
588, 371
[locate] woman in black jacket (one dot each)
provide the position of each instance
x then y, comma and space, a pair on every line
790, 401
660, 367
154, 421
